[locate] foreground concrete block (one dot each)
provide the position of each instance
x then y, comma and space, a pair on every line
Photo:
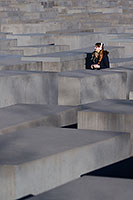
22, 116
60, 61
111, 115
93, 188
85, 86
28, 87
39, 159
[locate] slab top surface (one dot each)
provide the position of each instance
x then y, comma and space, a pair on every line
35, 143
91, 188
88, 73
20, 113
112, 106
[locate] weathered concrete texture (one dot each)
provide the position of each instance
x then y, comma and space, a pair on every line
28, 87
43, 158
85, 86
60, 61
91, 188
111, 115
22, 116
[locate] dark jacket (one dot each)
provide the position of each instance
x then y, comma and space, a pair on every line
93, 60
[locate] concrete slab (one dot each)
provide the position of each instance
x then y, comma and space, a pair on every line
129, 72
28, 87
39, 159
32, 39
111, 115
83, 39
127, 43
55, 57
25, 66
96, 188
7, 43
23, 28
60, 61
40, 49
116, 62
11, 52
85, 86
22, 116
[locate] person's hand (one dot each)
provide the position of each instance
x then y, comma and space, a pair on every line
96, 66
92, 66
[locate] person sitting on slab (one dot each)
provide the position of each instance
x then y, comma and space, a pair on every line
99, 58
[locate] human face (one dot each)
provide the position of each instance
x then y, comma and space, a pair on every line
97, 49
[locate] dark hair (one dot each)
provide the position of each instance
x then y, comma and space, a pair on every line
98, 44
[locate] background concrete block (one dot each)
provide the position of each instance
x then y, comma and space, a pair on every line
41, 49
31, 39
85, 86
53, 163
60, 61
117, 62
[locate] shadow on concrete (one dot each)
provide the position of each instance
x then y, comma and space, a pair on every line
74, 126
26, 197
122, 169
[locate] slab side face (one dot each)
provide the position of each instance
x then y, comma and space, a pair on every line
34, 88
109, 86
68, 91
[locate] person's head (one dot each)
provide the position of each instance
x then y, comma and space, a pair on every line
99, 46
